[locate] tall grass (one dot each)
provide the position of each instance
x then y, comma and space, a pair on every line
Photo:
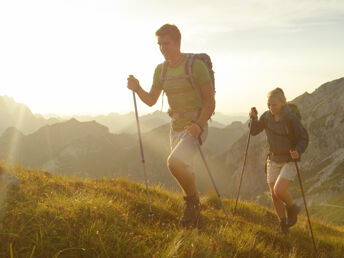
54, 216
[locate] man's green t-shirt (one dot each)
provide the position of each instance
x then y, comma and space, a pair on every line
182, 97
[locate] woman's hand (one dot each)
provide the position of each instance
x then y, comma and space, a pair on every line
294, 154
253, 113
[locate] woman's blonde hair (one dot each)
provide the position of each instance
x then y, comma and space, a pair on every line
278, 92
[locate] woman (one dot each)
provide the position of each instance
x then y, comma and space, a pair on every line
287, 139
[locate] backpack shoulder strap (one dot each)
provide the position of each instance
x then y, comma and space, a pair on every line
188, 69
264, 119
189, 72
162, 80
163, 74
290, 129
295, 110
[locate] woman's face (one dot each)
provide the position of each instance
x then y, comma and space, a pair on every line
275, 105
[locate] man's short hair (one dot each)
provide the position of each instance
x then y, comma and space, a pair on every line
171, 30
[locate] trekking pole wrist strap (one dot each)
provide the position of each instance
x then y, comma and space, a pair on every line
200, 127
138, 88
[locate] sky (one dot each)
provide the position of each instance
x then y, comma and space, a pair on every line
73, 57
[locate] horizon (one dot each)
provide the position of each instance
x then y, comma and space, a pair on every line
64, 115
65, 58
146, 112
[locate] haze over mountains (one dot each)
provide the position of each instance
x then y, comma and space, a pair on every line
126, 123
90, 148
13, 114
20, 116
86, 145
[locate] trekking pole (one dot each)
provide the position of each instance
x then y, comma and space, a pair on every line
304, 201
213, 181
243, 167
142, 157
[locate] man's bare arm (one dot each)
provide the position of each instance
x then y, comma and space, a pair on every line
208, 107
149, 98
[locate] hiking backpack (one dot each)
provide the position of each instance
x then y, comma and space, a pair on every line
290, 129
189, 73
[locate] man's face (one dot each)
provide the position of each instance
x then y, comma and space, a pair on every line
168, 47
275, 105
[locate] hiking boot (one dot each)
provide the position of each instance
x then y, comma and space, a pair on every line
284, 229
292, 214
191, 212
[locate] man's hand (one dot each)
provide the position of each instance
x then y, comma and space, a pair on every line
133, 83
294, 154
253, 113
193, 129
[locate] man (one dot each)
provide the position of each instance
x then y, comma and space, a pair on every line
287, 140
190, 109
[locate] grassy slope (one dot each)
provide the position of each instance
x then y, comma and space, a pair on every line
327, 212
52, 215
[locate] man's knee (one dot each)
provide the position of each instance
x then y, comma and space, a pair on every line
273, 195
279, 191
173, 164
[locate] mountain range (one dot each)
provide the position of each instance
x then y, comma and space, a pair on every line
89, 149
13, 114
20, 116
126, 123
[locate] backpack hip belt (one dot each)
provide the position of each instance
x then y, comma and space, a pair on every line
285, 154
176, 115
271, 154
